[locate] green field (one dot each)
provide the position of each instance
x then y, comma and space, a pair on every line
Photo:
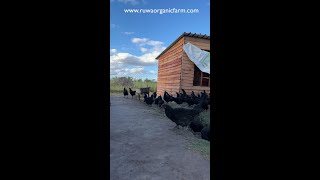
118, 83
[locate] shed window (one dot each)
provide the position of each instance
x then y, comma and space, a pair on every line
200, 78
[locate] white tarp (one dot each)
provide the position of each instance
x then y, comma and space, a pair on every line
199, 57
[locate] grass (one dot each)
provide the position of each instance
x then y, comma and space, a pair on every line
200, 145
204, 118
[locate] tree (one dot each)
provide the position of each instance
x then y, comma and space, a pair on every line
125, 81
147, 80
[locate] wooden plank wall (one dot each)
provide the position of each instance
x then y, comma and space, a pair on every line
169, 69
188, 66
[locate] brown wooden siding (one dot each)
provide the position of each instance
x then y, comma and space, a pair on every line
169, 69
176, 70
201, 43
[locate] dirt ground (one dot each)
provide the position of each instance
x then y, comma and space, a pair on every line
145, 145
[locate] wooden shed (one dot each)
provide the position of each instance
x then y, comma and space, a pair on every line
176, 71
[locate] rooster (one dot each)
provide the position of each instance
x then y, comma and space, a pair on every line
133, 93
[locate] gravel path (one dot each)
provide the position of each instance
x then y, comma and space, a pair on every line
145, 145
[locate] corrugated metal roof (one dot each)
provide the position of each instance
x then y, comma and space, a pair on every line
195, 35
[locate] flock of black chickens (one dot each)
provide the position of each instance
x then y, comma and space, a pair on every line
185, 117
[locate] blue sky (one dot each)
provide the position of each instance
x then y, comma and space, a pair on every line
137, 38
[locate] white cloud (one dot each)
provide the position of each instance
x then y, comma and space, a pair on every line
146, 41
140, 41
120, 61
143, 49
129, 59
113, 51
127, 71
130, 71
155, 43
146, 59
128, 33
153, 72
133, 2
135, 70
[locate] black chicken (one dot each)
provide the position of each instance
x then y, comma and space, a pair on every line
145, 97
184, 94
182, 116
196, 125
148, 100
193, 95
154, 95
195, 100
205, 133
156, 100
204, 93
166, 97
178, 100
133, 93
189, 101
160, 101
125, 92
205, 103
